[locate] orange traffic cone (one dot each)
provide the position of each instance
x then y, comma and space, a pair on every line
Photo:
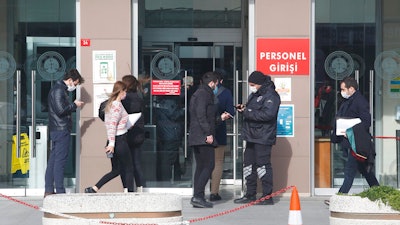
294, 212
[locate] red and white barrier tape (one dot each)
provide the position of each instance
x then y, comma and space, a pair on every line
186, 222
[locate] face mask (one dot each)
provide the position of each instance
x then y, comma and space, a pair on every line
344, 95
252, 89
71, 88
215, 90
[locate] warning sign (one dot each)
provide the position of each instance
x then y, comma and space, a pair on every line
165, 87
21, 162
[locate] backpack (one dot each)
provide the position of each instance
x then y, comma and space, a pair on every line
101, 109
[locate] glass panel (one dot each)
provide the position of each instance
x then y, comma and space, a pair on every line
40, 38
193, 58
193, 14
341, 35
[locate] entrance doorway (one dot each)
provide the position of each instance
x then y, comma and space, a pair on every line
167, 158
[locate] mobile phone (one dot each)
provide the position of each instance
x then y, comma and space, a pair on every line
109, 155
238, 106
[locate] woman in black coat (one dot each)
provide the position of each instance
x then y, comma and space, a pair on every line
133, 103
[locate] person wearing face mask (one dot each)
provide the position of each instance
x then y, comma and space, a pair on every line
355, 105
224, 102
259, 131
116, 121
201, 136
60, 127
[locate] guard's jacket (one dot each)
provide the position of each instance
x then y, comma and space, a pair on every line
260, 115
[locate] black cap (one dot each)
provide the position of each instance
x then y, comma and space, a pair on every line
257, 77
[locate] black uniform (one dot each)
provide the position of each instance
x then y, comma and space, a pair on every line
259, 132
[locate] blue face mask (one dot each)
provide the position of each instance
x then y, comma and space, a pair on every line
215, 90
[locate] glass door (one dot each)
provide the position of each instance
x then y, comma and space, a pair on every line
175, 73
35, 51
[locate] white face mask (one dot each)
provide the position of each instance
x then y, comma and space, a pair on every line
71, 88
344, 95
252, 89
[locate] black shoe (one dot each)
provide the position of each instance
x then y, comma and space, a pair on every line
269, 201
90, 190
245, 199
200, 203
48, 193
215, 197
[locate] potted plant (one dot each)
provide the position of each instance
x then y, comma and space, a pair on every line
378, 205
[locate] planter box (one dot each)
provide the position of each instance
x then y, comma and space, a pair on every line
354, 210
113, 208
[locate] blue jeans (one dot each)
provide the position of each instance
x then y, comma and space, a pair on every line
60, 141
350, 170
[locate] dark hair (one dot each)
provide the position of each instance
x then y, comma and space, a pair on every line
350, 82
74, 75
208, 77
221, 73
131, 83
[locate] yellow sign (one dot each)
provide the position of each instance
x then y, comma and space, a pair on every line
21, 163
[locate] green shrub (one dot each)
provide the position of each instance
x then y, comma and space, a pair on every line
388, 195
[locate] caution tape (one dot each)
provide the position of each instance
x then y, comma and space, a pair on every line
386, 137
242, 206
186, 222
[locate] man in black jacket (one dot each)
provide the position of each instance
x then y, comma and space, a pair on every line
170, 131
354, 106
259, 131
60, 127
201, 136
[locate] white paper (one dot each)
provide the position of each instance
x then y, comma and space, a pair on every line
132, 119
343, 124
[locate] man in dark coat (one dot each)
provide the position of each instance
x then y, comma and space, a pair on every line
259, 131
201, 136
60, 127
354, 106
170, 131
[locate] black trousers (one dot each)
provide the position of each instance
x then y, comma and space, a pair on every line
205, 160
350, 170
122, 160
257, 163
168, 156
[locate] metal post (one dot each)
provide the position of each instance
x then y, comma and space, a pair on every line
186, 114
33, 112
18, 115
398, 154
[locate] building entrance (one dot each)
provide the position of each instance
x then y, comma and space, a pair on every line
167, 158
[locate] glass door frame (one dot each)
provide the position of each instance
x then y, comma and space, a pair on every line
236, 179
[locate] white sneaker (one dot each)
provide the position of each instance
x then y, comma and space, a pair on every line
139, 189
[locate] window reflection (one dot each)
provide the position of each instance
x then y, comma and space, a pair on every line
193, 14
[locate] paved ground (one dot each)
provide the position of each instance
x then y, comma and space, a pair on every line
313, 211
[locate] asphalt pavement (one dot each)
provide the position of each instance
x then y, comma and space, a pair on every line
313, 211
